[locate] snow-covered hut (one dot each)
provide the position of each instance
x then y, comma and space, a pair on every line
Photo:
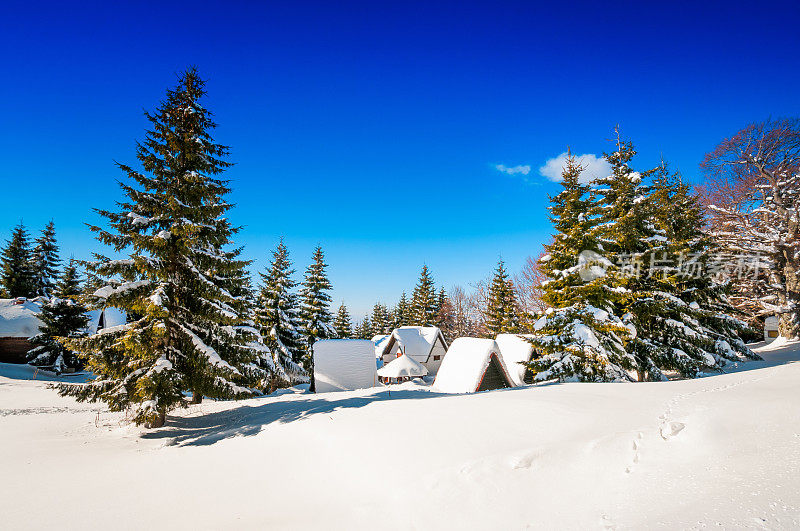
516, 353
401, 369
344, 365
472, 364
771, 331
19, 321
425, 344
105, 318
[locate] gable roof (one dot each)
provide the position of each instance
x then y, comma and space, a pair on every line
465, 364
415, 341
19, 320
515, 351
403, 366
380, 344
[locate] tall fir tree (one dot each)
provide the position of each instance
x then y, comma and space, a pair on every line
185, 330
380, 319
401, 313
423, 302
278, 317
446, 318
363, 329
342, 323
62, 316
315, 305
502, 311
579, 337
16, 271
46, 261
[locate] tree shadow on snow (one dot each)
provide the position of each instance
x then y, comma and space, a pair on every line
248, 420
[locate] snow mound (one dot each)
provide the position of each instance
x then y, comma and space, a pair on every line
19, 319
402, 367
465, 363
515, 351
344, 365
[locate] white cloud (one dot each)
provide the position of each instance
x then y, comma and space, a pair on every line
593, 165
523, 170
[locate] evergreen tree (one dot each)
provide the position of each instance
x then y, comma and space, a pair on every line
62, 316
278, 316
579, 337
16, 271
342, 324
502, 313
315, 306
363, 329
178, 285
446, 318
45, 261
401, 313
380, 319
423, 302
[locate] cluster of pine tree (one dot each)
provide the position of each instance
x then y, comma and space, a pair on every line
626, 291
194, 323
29, 269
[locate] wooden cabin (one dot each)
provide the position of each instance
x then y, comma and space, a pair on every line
472, 365
425, 344
19, 321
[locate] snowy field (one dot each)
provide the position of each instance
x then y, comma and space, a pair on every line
717, 451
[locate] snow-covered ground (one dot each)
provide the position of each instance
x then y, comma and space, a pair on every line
717, 451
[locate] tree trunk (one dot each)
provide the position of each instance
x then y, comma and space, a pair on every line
789, 324
159, 420
197, 397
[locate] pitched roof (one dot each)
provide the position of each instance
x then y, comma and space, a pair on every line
416, 341
403, 366
465, 364
19, 320
380, 344
515, 351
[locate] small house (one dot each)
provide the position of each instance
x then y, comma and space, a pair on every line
105, 318
401, 369
425, 344
344, 365
472, 364
771, 331
517, 353
19, 321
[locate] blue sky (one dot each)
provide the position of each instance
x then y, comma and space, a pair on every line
375, 129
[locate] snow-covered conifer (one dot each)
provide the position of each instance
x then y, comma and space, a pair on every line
46, 261
178, 284
278, 316
62, 315
380, 319
16, 265
423, 302
315, 303
342, 323
502, 311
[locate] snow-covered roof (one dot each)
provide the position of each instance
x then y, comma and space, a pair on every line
403, 366
380, 344
416, 341
344, 365
515, 351
465, 363
19, 320
113, 317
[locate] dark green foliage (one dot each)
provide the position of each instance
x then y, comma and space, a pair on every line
502, 311
63, 316
46, 261
423, 302
380, 320
315, 303
16, 271
401, 315
342, 323
182, 290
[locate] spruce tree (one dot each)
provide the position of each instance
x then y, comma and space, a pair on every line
363, 329
502, 312
342, 323
62, 316
401, 312
579, 337
423, 302
380, 319
315, 305
178, 285
16, 271
46, 261
278, 317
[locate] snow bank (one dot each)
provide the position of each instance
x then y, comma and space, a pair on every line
465, 363
344, 364
402, 367
19, 320
515, 351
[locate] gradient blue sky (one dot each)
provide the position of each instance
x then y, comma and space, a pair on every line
374, 129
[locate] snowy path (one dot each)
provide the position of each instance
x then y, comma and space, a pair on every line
722, 450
